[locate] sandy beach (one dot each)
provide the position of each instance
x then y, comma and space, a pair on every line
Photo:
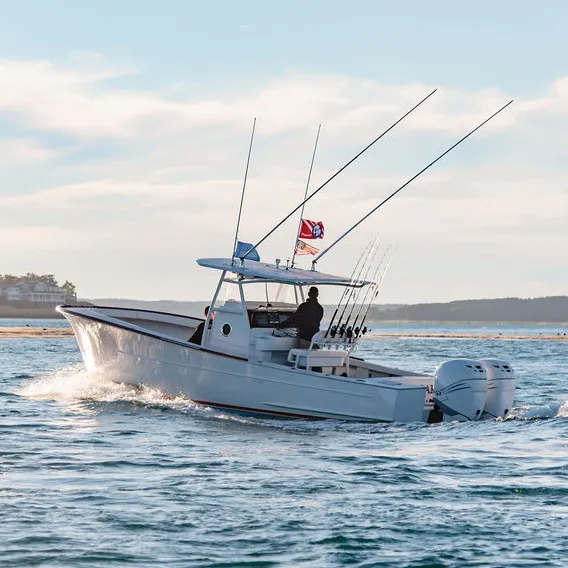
7, 332
503, 336
34, 332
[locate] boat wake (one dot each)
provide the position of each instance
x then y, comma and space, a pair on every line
75, 385
542, 412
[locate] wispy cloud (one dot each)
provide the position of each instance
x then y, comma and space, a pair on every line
20, 151
170, 176
82, 104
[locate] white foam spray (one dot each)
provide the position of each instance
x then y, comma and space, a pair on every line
72, 384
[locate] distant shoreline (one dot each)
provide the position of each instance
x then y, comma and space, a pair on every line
39, 315
474, 322
11, 312
29, 313
34, 332
58, 332
491, 336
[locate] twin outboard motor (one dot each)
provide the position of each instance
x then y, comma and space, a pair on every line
501, 385
465, 389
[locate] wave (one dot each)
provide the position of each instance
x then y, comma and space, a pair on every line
542, 412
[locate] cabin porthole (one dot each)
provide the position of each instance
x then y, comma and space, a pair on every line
226, 329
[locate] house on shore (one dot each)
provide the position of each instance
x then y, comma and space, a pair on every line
24, 292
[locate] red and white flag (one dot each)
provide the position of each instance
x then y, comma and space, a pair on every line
311, 229
305, 248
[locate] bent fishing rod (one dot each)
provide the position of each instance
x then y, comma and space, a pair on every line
338, 172
407, 183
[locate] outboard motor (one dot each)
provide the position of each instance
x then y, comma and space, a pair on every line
460, 389
501, 383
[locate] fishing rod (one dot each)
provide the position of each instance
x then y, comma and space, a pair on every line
407, 183
370, 287
369, 249
347, 288
362, 330
243, 195
339, 171
305, 195
345, 326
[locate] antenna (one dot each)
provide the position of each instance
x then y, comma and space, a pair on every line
339, 171
407, 183
243, 195
305, 195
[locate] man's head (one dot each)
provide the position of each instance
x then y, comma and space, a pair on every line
313, 292
206, 311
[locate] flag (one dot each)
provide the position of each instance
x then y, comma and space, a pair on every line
305, 248
311, 229
242, 250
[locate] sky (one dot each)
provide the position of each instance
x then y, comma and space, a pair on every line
125, 128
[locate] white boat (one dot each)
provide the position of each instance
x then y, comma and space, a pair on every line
247, 363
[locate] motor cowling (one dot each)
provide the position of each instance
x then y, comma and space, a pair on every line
501, 384
460, 389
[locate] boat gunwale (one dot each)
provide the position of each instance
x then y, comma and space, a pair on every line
136, 329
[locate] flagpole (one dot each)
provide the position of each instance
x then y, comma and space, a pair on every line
305, 195
243, 194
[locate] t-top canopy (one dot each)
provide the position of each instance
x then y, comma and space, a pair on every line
254, 270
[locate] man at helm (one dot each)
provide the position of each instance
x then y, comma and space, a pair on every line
307, 316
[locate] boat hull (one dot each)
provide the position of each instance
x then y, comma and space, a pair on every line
134, 354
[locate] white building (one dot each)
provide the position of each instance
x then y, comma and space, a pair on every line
38, 293
12, 293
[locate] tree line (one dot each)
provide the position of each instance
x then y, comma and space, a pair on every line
553, 309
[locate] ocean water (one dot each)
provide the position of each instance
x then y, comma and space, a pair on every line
97, 474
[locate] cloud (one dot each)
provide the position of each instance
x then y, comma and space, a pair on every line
81, 103
77, 103
149, 180
20, 151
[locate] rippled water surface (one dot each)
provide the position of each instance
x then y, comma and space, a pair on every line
97, 474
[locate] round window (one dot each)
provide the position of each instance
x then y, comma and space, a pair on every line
226, 329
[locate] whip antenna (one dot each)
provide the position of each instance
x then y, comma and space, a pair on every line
305, 195
407, 183
243, 196
339, 171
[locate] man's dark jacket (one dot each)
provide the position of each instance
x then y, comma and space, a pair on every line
306, 318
